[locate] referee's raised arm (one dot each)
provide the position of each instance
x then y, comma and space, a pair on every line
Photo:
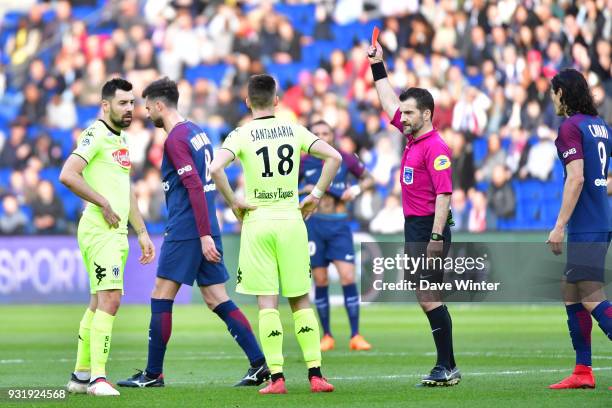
388, 98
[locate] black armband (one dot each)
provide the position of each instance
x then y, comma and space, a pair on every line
379, 71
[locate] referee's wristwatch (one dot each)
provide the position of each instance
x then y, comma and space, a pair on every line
437, 237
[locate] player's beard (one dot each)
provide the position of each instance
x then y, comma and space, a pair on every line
158, 123
123, 122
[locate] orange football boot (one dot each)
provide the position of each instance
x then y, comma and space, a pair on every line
359, 343
327, 343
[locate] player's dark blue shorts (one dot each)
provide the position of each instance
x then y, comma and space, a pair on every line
183, 262
329, 239
586, 256
417, 233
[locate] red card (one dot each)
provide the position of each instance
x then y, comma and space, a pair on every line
375, 33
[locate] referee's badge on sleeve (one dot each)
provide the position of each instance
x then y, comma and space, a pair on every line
442, 162
408, 175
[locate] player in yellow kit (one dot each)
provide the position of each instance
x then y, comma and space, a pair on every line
274, 243
98, 171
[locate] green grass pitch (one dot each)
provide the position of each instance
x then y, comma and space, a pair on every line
508, 355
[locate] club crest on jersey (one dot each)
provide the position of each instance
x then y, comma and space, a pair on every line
442, 162
122, 156
408, 175
116, 271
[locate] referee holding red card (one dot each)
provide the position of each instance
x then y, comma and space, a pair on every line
426, 182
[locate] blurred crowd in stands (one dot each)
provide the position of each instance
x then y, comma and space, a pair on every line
488, 65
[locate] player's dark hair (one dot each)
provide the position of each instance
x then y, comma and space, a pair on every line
164, 89
261, 91
576, 95
320, 122
423, 98
110, 87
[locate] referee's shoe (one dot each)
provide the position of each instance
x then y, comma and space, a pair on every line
442, 376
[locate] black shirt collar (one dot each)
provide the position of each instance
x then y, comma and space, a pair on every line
110, 128
265, 117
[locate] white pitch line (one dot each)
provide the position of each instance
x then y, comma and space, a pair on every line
188, 356
14, 361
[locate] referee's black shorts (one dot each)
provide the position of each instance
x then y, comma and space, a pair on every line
417, 233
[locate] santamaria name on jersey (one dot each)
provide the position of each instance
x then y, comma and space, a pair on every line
271, 133
272, 195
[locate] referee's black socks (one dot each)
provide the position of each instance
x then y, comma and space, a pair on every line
442, 331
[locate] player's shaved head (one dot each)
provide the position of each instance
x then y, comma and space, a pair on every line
261, 91
164, 89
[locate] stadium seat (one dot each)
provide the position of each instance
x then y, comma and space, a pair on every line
285, 74
33, 131
27, 210
346, 35
214, 73
475, 80
84, 13
505, 143
317, 52
529, 190
458, 62
59, 135
10, 104
49, 15
5, 176
503, 224
5, 34
72, 206
480, 148
50, 173
10, 20
215, 133
306, 28
301, 16
557, 173
343, 36
105, 31
482, 186
87, 114
233, 172
64, 138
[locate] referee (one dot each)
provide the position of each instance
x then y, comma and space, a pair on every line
426, 182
